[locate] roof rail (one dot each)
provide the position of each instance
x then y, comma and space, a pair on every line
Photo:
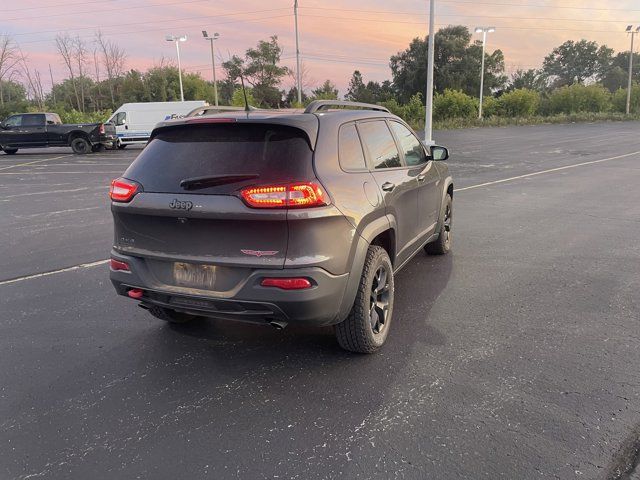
319, 105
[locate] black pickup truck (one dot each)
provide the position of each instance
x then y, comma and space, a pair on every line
36, 130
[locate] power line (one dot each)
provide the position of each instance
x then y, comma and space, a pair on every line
54, 6
105, 11
531, 5
154, 21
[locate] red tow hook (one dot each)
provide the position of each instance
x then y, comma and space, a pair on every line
135, 293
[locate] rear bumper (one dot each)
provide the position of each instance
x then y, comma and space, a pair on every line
248, 302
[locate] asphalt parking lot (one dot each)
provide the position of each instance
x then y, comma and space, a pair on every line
514, 357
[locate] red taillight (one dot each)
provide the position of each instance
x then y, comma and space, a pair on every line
117, 265
101, 129
293, 195
122, 190
287, 283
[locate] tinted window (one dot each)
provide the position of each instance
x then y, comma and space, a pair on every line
414, 153
52, 119
36, 120
380, 144
121, 118
278, 154
15, 121
351, 154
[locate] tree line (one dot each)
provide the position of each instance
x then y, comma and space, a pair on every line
98, 80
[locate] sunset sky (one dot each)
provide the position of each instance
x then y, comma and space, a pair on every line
336, 37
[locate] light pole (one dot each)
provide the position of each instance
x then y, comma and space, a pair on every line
633, 33
177, 40
213, 63
298, 74
428, 121
484, 31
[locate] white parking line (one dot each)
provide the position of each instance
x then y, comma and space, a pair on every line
54, 272
35, 161
566, 167
550, 170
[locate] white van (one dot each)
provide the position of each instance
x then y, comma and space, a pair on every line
134, 121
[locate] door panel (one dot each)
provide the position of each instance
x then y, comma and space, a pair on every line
398, 184
32, 131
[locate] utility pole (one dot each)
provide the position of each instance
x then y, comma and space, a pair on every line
213, 63
428, 122
298, 73
177, 40
484, 31
633, 33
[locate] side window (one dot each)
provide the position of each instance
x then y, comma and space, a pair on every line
350, 153
414, 153
121, 118
380, 144
33, 120
15, 121
51, 119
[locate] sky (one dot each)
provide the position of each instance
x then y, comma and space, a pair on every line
336, 37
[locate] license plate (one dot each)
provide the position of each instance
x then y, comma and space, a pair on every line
193, 275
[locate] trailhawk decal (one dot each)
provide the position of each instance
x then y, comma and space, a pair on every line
260, 253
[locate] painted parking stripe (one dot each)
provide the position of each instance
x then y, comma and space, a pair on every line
35, 161
566, 167
54, 272
550, 170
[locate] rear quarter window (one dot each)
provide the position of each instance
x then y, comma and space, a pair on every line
277, 154
350, 151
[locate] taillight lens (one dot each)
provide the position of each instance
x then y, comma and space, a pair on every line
122, 190
101, 130
117, 265
299, 283
293, 195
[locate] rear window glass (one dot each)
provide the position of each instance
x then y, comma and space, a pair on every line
277, 154
381, 145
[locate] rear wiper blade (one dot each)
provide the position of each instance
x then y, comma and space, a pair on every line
197, 183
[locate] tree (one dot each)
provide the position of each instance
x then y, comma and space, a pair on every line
356, 88
371, 92
576, 62
9, 58
262, 71
457, 65
64, 45
531, 79
113, 60
326, 91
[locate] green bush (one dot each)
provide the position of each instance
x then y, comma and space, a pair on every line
453, 104
74, 116
619, 99
490, 107
518, 103
412, 112
578, 98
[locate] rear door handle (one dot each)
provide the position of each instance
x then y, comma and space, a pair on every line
388, 186
422, 178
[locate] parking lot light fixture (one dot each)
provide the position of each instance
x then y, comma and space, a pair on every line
177, 40
632, 32
212, 39
484, 31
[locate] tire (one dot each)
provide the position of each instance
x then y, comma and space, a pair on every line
98, 147
442, 245
361, 332
169, 315
10, 151
80, 146
122, 146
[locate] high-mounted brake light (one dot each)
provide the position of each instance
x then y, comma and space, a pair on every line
122, 190
298, 283
210, 120
293, 195
101, 129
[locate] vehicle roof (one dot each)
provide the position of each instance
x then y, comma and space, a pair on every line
308, 122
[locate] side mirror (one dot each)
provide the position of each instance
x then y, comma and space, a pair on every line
3, 126
439, 154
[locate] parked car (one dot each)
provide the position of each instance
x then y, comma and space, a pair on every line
135, 121
36, 130
280, 218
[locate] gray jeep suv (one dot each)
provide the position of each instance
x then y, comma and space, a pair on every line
275, 218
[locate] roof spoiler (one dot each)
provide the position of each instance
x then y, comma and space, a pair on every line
320, 105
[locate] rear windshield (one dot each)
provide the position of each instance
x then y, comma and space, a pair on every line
277, 154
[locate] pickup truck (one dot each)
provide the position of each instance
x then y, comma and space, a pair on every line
36, 130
